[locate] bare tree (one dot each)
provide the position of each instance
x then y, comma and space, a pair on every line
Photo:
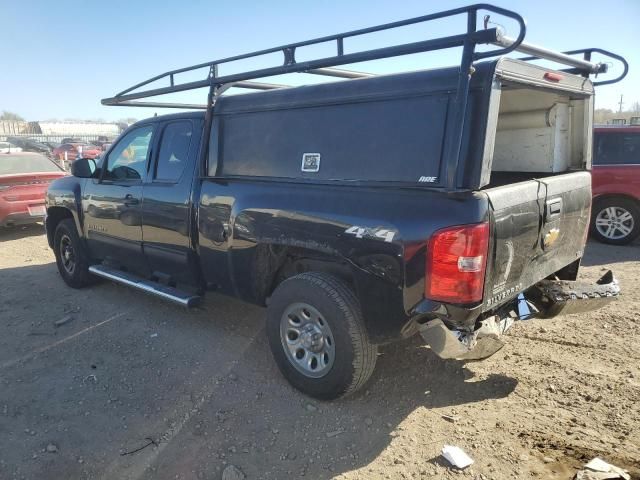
11, 116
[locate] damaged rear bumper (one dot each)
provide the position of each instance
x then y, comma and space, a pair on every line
559, 297
546, 299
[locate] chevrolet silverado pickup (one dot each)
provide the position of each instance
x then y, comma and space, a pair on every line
447, 202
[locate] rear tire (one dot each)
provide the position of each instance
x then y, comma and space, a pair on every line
615, 220
71, 254
317, 336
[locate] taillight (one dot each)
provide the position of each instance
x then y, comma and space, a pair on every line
456, 264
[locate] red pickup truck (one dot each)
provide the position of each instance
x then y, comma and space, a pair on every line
615, 216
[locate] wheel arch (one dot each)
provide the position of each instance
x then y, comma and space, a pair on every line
55, 215
381, 301
274, 263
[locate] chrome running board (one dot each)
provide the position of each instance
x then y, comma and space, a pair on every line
163, 291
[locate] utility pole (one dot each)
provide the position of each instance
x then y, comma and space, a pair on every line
620, 104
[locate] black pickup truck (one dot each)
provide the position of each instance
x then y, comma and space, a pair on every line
449, 202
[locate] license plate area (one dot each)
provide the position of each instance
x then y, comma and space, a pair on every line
36, 210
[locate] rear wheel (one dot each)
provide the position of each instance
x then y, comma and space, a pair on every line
317, 336
72, 258
615, 220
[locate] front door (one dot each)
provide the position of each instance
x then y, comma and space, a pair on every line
112, 204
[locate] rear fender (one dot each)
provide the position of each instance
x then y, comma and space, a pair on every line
269, 246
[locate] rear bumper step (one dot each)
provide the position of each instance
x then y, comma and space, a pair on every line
559, 297
549, 299
163, 291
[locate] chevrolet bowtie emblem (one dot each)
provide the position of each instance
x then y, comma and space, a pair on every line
551, 237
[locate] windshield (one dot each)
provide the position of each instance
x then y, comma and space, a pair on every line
16, 164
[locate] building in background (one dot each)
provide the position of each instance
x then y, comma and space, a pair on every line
15, 127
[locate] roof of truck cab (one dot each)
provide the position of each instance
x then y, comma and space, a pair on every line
171, 116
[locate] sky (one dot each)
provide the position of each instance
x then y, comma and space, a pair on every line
61, 57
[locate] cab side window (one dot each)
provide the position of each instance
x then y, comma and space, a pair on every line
128, 160
174, 151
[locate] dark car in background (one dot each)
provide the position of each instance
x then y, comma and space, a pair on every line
71, 140
30, 145
51, 144
24, 178
615, 216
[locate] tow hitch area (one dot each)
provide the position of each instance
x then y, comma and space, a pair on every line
546, 299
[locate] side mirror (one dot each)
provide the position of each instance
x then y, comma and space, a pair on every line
83, 168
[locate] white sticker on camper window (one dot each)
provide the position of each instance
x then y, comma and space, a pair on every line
310, 162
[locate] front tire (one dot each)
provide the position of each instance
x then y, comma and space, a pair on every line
615, 220
317, 336
71, 254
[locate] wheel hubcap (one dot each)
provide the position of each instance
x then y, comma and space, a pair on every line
67, 254
614, 223
307, 340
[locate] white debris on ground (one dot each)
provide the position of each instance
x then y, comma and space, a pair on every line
456, 456
598, 469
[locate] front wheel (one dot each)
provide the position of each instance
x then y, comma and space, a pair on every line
615, 221
72, 258
317, 336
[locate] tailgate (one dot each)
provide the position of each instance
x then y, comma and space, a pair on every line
539, 227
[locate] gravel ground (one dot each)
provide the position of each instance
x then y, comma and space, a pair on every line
110, 383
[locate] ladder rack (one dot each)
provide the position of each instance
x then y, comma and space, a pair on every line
324, 66
469, 40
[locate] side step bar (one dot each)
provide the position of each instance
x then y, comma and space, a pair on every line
163, 291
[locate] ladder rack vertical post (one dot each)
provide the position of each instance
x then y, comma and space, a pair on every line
455, 129
208, 121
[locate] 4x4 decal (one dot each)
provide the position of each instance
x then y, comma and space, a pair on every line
379, 233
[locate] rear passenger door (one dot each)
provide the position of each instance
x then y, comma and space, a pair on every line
167, 204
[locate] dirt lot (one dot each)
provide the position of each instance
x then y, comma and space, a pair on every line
196, 391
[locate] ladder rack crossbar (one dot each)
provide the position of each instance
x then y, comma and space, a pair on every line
323, 66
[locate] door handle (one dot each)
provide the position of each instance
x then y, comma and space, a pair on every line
130, 200
554, 208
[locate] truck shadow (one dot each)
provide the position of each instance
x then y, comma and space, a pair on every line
261, 424
21, 231
249, 415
